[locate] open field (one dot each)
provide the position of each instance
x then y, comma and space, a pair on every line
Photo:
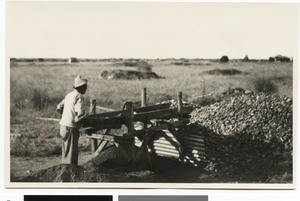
37, 87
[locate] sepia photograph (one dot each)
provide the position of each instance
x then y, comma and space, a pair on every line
150, 94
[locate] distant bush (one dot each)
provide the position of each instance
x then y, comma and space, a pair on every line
264, 85
246, 58
131, 63
144, 66
73, 60
224, 59
282, 58
271, 59
223, 72
181, 63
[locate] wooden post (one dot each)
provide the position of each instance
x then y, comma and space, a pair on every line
144, 103
144, 97
145, 138
93, 106
179, 133
94, 142
128, 114
128, 150
180, 105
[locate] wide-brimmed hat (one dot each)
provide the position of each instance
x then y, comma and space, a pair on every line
79, 81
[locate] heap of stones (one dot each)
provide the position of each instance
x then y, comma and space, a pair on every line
263, 116
248, 138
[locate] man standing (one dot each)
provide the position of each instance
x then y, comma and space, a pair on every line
72, 110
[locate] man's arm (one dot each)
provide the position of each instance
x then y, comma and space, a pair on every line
80, 109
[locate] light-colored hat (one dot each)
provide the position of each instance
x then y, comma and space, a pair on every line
79, 81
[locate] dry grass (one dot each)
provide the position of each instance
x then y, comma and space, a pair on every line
36, 89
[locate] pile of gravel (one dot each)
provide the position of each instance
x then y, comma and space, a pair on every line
266, 117
248, 138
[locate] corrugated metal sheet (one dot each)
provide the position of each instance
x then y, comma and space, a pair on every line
165, 144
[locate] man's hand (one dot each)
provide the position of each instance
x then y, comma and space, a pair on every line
59, 110
60, 107
79, 118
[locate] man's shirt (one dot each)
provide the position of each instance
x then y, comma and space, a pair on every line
73, 108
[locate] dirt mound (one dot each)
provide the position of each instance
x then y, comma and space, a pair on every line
59, 173
128, 75
109, 166
248, 137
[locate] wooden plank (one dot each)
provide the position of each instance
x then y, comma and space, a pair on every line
99, 124
102, 137
100, 148
152, 107
105, 115
116, 113
105, 109
159, 114
48, 119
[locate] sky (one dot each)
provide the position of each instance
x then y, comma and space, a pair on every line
151, 30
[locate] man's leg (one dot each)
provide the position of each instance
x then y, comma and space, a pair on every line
74, 146
70, 146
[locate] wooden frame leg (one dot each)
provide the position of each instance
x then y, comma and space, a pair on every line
94, 145
100, 148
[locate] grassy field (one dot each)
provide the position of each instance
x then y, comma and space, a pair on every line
37, 87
